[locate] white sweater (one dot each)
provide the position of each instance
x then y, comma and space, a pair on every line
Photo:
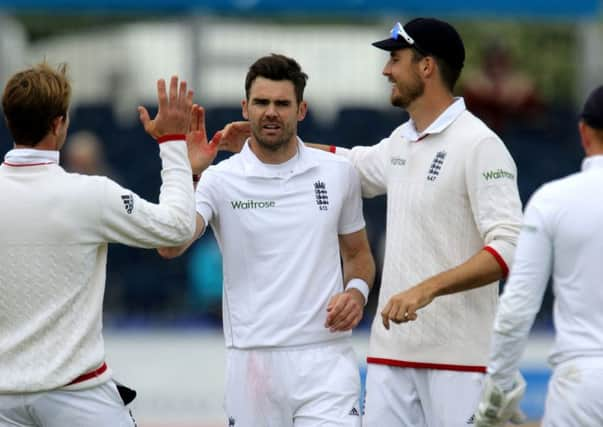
450, 192
562, 238
54, 230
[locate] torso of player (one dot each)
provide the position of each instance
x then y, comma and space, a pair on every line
573, 212
428, 202
431, 228
278, 233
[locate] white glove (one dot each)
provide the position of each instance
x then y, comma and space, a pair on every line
497, 407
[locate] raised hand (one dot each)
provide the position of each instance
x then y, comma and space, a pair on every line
174, 112
200, 152
234, 135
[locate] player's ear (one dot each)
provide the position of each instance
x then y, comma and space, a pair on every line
244, 109
302, 110
428, 65
56, 124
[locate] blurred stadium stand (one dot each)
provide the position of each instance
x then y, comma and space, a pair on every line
211, 43
143, 287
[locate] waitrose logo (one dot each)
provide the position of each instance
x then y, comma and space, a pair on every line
252, 204
497, 174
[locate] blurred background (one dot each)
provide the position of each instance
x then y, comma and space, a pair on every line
529, 65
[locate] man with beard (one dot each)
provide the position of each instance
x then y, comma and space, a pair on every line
453, 217
283, 215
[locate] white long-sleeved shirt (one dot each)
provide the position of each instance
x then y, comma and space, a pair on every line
54, 230
278, 228
451, 191
562, 238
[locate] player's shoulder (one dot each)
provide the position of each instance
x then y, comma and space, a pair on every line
85, 182
231, 165
560, 193
326, 157
471, 130
560, 187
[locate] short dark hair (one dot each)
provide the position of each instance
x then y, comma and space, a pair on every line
448, 73
32, 99
277, 67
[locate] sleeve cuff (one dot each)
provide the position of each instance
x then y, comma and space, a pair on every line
499, 259
171, 137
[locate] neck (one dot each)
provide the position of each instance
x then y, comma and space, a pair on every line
280, 155
425, 110
46, 143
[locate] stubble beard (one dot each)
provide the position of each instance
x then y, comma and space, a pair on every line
272, 145
407, 95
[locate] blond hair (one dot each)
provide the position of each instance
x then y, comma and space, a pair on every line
33, 99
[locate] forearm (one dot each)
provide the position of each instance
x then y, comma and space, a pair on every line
479, 270
359, 266
176, 251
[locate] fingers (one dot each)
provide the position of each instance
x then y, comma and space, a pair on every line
346, 322
234, 136
162, 100
385, 315
182, 94
173, 95
215, 140
144, 116
175, 108
187, 99
397, 312
344, 313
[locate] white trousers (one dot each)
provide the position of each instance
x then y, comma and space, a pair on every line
410, 397
316, 386
99, 406
575, 394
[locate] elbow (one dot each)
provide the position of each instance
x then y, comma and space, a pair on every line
184, 231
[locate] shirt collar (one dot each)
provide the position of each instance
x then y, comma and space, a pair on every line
296, 165
592, 162
30, 157
409, 131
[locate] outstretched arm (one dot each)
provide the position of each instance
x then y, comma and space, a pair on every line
201, 154
129, 219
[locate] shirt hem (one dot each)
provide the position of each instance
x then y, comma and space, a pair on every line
425, 365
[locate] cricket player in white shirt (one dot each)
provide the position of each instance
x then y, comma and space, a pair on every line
453, 217
54, 231
286, 217
562, 239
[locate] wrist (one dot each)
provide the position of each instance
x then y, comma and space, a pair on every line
171, 137
361, 286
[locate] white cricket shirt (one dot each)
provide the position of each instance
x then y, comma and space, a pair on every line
451, 191
277, 227
562, 238
54, 229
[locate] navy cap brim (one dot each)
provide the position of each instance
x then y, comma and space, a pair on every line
391, 45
